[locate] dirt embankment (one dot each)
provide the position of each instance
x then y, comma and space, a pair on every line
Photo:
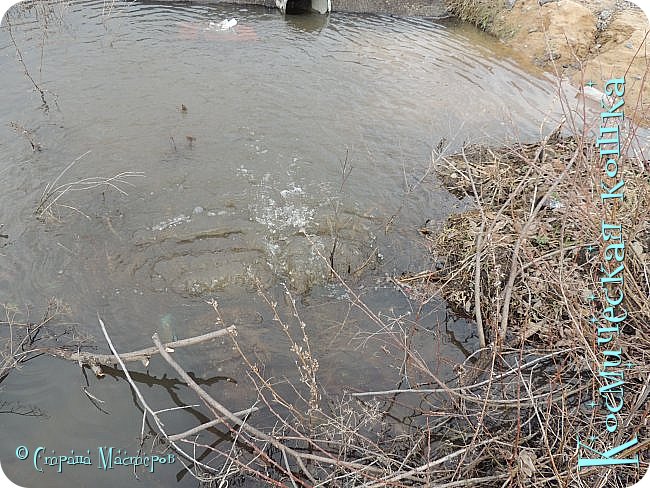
585, 40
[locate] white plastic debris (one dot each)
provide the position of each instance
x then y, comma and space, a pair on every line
592, 93
224, 24
554, 203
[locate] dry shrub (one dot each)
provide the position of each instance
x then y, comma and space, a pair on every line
22, 338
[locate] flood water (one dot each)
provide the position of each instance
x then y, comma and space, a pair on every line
250, 152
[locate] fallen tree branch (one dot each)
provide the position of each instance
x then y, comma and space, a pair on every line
95, 360
146, 406
222, 411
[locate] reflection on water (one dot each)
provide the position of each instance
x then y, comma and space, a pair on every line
270, 150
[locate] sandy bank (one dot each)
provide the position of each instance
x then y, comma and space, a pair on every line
585, 40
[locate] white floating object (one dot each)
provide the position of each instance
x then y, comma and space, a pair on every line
592, 93
224, 24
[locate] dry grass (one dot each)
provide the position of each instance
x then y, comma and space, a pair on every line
484, 14
54, 191
556, 270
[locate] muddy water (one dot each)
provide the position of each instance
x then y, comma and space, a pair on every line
256, 149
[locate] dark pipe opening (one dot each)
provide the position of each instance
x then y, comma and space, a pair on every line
298, 7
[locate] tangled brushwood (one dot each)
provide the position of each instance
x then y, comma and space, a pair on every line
524, 262
538, 222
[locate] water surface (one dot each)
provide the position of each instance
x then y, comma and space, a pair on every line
258, 148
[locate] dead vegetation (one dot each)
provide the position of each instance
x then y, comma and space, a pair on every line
487, 15
524, 264
536, 218
50, 200
21, 336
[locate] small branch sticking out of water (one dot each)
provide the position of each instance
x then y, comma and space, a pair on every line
346, 169
45, 106
29, 135
332, 252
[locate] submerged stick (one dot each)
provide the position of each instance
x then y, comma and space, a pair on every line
143, 355
144, 403
207, 425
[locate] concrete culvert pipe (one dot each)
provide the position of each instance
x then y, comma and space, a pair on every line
304, 6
